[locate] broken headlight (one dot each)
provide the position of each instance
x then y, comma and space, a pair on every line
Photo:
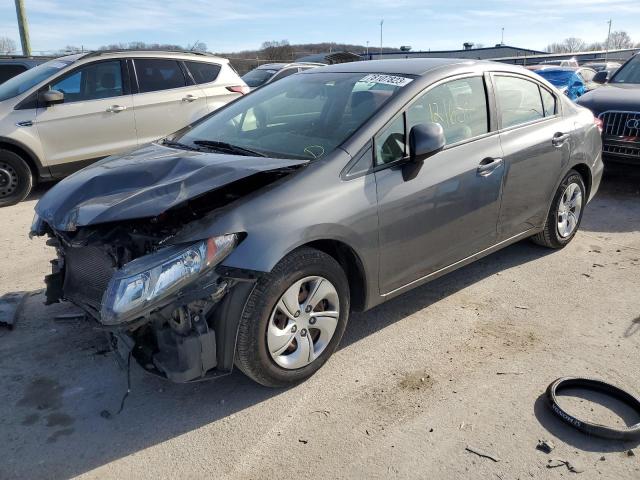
152, 277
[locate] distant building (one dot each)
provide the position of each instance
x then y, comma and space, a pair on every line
468, 52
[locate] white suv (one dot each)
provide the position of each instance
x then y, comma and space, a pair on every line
66, 113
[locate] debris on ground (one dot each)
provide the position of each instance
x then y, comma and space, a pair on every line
481, 453
631, 453
324, 412
509, 373
522, 307
303, 441
10, 308
64, 317
545, 446
558, 462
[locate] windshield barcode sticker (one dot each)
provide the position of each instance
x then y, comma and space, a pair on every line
387, 79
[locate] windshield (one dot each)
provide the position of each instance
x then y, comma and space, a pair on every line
258, 77
559, 78
23, 82
630, 73
302, 116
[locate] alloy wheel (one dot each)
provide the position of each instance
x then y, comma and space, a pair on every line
569, 210
303, 322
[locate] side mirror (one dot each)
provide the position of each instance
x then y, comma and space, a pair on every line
51, 97
425, 140
601, 77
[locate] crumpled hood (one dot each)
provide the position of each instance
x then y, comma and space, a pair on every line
144, 183
613, 96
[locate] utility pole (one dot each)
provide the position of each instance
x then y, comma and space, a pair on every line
606, 51
23, 27
368, 50
381, 22
502, 38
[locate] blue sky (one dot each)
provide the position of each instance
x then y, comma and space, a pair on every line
226, 25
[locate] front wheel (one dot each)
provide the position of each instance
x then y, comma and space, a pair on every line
565, 214
293, 319
16, 180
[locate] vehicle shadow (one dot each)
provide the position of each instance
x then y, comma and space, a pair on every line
61, 397
616, 205
580, 440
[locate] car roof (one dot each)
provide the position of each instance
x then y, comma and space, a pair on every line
179, 54
413, 66
279, 66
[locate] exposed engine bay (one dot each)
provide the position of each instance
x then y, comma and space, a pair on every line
185, 331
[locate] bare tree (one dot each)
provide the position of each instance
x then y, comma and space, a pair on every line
620, 39
277, 50
7, 46
568, 45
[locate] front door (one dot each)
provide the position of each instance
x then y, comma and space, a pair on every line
95, 120
449, 209
165, 102
535, 139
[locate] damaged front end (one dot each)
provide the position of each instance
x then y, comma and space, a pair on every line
155, 302
169, 305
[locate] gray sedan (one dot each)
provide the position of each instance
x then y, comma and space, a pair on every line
248, 237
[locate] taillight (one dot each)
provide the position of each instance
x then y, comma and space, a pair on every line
599, 123
241, 89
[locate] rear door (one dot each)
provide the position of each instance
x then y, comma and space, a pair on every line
95, 120
215, 81
535, 139
166, 98
449, 209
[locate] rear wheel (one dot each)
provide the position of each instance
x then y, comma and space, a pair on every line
293, 319
565, 215
16, 180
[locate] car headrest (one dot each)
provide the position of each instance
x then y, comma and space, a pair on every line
108, 80
370, 100
510, 99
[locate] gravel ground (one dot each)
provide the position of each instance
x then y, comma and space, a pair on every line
460, 362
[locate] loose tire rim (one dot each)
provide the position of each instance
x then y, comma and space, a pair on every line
569, 210
8, 179
303, 322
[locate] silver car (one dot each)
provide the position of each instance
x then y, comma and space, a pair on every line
248, 237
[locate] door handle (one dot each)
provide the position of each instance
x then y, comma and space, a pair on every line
189, 98
116, 108
488, 165
559, 139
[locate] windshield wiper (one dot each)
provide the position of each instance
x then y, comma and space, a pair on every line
228, 148
183, 146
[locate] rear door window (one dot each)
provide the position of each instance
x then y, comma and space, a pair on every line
519, 101
156, 74
203, 72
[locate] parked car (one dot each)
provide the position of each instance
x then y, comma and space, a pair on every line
599, 66
617, 104
248, 237
272, 72
571, 62
573, 82
66, 113
12, 65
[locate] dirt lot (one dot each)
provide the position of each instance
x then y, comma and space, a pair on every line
462, 361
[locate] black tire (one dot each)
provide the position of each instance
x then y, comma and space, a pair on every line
252, 356
550, 236
16, 179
